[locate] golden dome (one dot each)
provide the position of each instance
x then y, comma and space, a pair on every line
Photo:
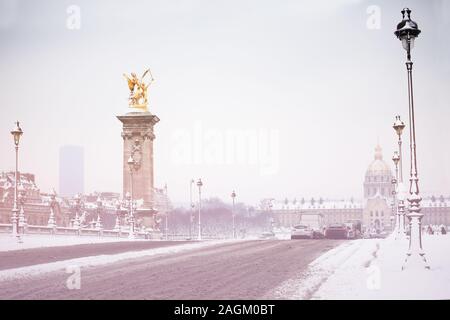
378, 166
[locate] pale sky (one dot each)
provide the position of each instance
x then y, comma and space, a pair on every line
317, 83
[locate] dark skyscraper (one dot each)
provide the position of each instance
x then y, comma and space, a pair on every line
71, 170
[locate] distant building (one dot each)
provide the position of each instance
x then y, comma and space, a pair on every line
71, 170
36, 205
374, 212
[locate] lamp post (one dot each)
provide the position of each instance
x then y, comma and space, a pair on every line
166, 207
233, 196
199, 185
394, 213
191, 212
271, 220
98, 223
22, 194
129, 205
131, 165
77, 223
16, 133
117, 225
398, 126
396, 160
77, 220
407, 31
51, 219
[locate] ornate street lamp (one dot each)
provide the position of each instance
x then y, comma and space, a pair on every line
51, 219
199, 185
191, 212
129, 206
396, 160
166, 207
407, 31
117, 225
130, 198
398, 127
394, 214
77, 222
271, 219
98, 223
22, 198
233, 196
17, 134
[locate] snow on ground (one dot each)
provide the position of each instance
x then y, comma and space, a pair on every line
8, 242
30, 271
381, 277
372, 269
307, 282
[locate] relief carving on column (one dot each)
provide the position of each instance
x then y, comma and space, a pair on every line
127, 135
136, 153
148, 134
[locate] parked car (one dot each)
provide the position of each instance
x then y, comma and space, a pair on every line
318, 234
267, 235
378, 234
336, 231
301, 231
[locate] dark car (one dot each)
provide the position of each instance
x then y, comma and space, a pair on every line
336, 231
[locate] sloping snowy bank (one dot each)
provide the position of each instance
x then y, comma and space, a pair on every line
372, 269
381, 277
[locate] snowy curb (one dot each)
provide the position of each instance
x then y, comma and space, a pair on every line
306, 284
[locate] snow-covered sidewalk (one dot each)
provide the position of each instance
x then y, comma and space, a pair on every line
380, 276
371, 269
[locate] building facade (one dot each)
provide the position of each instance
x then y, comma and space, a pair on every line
375, 211
35, 205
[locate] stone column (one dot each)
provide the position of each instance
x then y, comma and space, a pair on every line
138, 138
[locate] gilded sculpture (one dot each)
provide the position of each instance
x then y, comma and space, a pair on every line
138, 90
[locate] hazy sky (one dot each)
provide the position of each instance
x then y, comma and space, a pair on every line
312, 84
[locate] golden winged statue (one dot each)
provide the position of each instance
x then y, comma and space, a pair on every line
138, 90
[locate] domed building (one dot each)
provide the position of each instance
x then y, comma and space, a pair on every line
378, 179
373, 213
378, 193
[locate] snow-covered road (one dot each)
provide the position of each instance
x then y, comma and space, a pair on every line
230, 270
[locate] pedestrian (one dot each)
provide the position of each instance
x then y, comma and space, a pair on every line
443, 231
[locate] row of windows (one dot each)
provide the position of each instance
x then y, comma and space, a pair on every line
381, 178
373, 191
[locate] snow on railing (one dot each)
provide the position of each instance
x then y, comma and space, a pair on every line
70, 231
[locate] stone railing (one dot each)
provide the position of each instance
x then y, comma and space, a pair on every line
70, 231
194, 237
30, 229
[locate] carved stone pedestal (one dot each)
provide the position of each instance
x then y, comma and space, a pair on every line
138, 139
